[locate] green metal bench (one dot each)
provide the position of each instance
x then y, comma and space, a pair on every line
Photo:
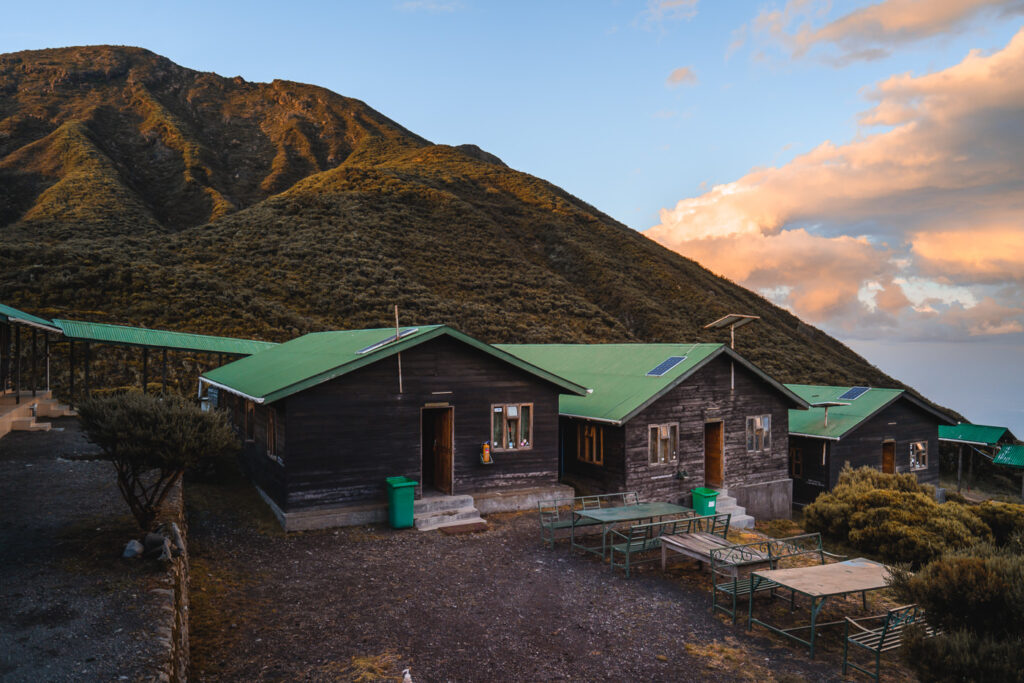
557, 514
888, 636
641, 538
733, 561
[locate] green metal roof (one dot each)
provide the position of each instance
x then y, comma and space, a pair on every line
1011, 456
978, 435
162, 339
618, 373
841, 419
11, 314
321, 356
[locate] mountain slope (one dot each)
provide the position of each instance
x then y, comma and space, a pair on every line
140, 192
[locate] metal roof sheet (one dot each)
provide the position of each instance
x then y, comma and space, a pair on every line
1011, 456
980, 435
618, 373
321, 356
841, 418
11, 314
79, 330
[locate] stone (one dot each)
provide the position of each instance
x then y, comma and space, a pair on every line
153, 541
133, 549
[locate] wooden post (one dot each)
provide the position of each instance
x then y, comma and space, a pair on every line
399, 354
71, 366
46, 353
959, 465
145, 368
163, 375
17, 364
88, 387
35, 365
970, 469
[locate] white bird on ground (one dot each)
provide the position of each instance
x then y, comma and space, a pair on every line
406, 676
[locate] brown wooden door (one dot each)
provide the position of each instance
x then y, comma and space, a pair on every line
889, 457
714, 442
443, 452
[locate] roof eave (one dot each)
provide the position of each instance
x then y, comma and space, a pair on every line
33, 323
616, 423
230, 390
816, 436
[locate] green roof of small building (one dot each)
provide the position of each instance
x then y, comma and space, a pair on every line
103, 333
322, 356
978, 435
841, 418
11, 314
1011, 456
617, 374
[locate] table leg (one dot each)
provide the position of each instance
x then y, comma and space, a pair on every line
816, 605
754, 580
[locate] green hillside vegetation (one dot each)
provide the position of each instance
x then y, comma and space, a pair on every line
139, 192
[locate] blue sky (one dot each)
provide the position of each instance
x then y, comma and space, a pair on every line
725, 164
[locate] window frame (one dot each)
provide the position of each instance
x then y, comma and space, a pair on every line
673, 455
495, 448
595, 456
924, 450
796, 462
755, 432
272, 450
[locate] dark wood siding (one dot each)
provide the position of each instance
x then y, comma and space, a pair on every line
815, 475
265, 472
902, 422
705, 397
347, 435
585, 476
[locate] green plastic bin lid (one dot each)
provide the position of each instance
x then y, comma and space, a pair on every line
396, 482
701, 491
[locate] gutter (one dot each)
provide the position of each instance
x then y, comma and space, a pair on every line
617, 423
815, 436
236, 392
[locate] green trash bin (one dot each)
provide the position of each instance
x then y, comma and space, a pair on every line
401, 491
704, 500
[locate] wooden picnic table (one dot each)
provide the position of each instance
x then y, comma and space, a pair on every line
697, 545
619, 515
819, 583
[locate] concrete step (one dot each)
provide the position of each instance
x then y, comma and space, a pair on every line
29, 424
54, 409
447, 517
440, 503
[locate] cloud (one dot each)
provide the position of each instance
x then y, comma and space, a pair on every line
919, 226
684, 75
871, 32
669, 10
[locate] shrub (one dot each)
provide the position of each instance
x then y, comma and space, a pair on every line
1004, 519
893, 516
976, 598
151, 440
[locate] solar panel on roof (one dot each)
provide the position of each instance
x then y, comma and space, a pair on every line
666, 365
853, 392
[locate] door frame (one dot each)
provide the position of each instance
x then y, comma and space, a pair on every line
451, 411
721, 452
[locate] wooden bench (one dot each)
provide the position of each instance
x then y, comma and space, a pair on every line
641, 538
698, 538
557, 514
648, 537
888, 636
735, 563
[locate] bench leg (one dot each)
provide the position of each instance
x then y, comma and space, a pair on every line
664, 555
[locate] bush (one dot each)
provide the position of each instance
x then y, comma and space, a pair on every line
1004, 519
893, 516
151, 440
976, 598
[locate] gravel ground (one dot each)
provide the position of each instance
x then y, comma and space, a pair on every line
494, 606
70, 608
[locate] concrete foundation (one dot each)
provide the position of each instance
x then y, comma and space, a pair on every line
485, 502
767, 500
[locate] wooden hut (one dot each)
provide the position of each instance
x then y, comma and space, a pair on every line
325, 418
889, 429
665, 418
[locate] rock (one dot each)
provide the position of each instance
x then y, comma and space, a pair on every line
153, 541
661, 658
133, 549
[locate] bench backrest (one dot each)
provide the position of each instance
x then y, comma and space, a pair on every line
796, 546
726, 560
667, 527
900, 616
552, 509
717, 524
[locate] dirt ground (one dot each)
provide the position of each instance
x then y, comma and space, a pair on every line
70, 608
363, 603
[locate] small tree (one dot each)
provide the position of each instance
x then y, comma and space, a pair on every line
152, 440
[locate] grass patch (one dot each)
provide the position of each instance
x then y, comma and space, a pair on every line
729, 657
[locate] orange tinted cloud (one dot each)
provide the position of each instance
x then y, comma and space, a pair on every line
939, 196
684, 75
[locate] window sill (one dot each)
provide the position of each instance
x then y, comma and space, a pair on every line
511, 450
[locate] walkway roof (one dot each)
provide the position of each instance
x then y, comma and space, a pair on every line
976, 435
322, 356
626, 378
78, 330
1011, 456
13, 315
